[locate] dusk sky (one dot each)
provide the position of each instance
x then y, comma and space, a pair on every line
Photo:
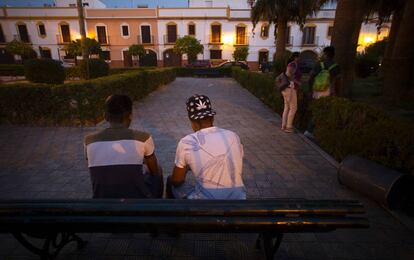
109, 3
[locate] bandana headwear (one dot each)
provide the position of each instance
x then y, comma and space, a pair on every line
199, 107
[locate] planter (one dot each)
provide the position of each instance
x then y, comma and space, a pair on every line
386, 186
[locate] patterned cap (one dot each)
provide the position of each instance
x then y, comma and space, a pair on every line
199, 107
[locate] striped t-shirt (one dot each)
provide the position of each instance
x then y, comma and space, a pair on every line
115, 157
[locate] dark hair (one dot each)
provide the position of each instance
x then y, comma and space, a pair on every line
329, 51
116, 107
293, 56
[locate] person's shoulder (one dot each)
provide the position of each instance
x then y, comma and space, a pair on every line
140, 135
229, 133
93, 137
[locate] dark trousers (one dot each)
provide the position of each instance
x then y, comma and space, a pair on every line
155, 185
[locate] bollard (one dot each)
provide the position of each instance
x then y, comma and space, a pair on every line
386, 186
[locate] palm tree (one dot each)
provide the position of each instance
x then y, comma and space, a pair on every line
398, 79
350, 14
280, 12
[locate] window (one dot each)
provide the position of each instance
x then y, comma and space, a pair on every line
171, 33
191, 29
64, 29
23, 33
41, 29
146, 34
106, 55
2, 38
125, 30
330, 30
216, 33
215, 54
264, 31
309, 36
101, 33
241, 35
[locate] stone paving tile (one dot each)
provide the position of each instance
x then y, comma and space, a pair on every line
48, 162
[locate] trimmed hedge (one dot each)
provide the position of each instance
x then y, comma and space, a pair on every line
114, 71
11, 70
343, 127
44, 71
97, 68
75, 103
190, 72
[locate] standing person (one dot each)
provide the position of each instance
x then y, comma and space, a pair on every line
324, 80
214, 156
289, 94
117, 154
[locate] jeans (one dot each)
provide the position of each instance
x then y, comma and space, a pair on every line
291, 106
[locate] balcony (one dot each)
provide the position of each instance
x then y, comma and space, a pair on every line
146, 40
22, 38
62, 40
241, 41
310, 42
170, 39
215, 39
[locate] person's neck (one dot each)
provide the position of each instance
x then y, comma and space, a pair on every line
205, 126
117, 125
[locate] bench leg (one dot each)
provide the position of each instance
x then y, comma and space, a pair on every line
270, 245
53, 243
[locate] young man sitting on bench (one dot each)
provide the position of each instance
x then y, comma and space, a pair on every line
116, 156
214, 156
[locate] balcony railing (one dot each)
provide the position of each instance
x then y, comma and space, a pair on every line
170, 39
311, 42
215, 40
25, 38
241, 41
61, 40
146, 40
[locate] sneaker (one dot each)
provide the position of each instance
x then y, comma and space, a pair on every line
309, 135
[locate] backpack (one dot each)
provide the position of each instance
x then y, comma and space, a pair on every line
323, 79
282, 82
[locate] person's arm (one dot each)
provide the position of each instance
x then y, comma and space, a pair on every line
178, 176
150, 159
152, 164
180, 168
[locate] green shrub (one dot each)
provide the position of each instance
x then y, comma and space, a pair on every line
72, 72
11, 70
114, 71
97, 68
44, 71
344, 127
365, 65
75, 103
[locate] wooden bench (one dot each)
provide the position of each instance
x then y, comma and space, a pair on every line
58, 221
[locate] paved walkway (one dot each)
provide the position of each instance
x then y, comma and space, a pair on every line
49, 163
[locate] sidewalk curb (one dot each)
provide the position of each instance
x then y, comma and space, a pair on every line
324, 154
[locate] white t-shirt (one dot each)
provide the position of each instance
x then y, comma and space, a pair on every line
215, 157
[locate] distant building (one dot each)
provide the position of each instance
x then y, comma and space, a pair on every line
220, 25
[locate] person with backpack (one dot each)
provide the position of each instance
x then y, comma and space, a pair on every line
324, 80
288, 84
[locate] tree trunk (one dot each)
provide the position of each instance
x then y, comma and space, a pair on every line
398, 77
395, 25
347, 25
281, 39
85, 54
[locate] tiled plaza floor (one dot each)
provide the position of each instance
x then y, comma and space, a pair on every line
49, 162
